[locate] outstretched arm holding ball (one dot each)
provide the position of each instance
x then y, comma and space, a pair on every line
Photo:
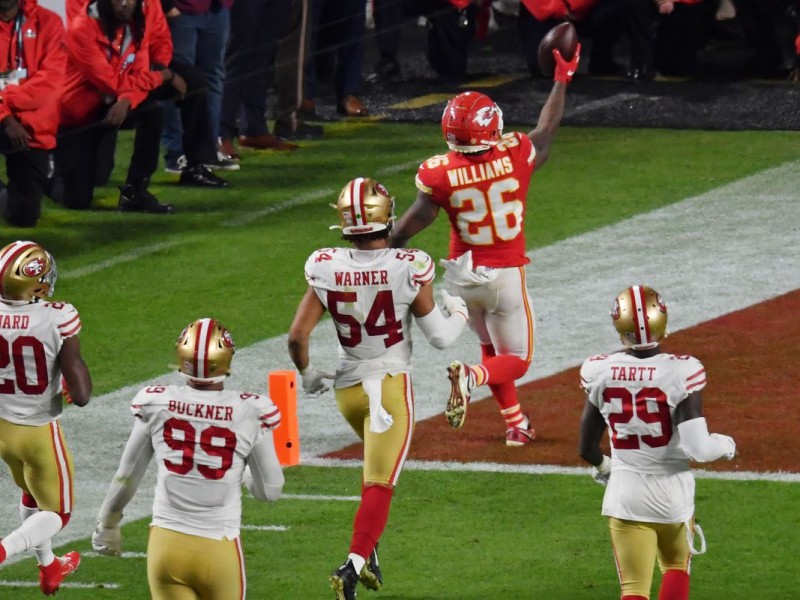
553, 109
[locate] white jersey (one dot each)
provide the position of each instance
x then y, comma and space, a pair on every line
201, 440
368, 294
31, 336
651, 479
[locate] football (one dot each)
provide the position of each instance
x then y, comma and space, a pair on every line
562, 37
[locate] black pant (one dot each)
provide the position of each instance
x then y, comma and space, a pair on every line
450, 32
257, 27
79, 151
199, 144
27, 172
667, 43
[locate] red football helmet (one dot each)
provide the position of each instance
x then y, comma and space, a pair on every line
472, 122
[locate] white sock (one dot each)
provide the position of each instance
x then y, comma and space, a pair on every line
44, 551
358, 561
34, 532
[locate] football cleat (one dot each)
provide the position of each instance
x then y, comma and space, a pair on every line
204, 351
456, 411
364, 206
343, 581
371, 576
51, 576
640, 317
27, 271
519, 436
471, 123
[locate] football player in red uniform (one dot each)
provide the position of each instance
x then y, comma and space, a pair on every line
482, 184
38, 344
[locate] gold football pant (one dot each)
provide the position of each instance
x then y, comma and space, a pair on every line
40, 463
637, 545
190, 567
384, 453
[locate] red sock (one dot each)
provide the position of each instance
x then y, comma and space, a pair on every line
634, 598
28, 501
370, 520
504, 368
505, 394
2, 553
674, 585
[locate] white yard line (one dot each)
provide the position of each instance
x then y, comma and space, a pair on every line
117, 260
724, 250
485, 467
66, 585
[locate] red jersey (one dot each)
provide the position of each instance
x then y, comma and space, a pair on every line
485, 197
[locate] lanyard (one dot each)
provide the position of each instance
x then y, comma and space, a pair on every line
18, 23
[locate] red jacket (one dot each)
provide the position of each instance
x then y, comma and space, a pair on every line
34, 101
99, 71
557, 9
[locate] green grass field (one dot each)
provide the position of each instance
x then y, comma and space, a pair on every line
472, 536
238, 255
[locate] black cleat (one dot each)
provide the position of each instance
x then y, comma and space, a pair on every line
343, 581
371, 577
201, 176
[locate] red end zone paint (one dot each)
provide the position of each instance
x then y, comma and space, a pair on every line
751, 360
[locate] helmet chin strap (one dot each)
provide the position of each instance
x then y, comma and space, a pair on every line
204, 380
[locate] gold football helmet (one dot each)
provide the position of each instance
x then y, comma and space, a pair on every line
27, 271
640, 317
364, 206
204, 350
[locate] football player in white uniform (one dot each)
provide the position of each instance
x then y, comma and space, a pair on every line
203, 437
651, 404
371, 292
38, 345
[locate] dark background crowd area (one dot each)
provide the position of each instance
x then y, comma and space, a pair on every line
741, 79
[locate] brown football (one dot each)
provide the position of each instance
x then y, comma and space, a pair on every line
562, 37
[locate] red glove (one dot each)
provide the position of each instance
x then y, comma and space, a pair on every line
65, 395
566, 69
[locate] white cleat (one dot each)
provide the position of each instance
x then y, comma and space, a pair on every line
456, 411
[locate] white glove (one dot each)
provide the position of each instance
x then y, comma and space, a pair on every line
454, 304
107, 540
602, 472
313, 384
727, 440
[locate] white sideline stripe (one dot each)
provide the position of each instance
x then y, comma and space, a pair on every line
67, 584
306, 198
486, 467
323, 497
122, 258
602, 103
412, 164
266, 527
92, 554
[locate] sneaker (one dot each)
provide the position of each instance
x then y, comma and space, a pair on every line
301, 131
131, 200
201, 176
371, 577
387, 70
227, 150
222, 163
51, 576
456, 411
175, 166
343, 581
519, 436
